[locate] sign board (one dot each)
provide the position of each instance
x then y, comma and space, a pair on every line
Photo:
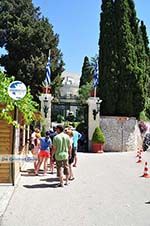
17, 90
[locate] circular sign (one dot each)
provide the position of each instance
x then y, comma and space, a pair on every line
17, 90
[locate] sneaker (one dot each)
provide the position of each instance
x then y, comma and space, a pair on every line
71, 178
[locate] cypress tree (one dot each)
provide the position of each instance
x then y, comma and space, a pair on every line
145, 38
132, 17
127, 58
123, 51
145, 65
107, 59
86, 74
140, 89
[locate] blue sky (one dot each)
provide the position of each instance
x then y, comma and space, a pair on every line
77, 23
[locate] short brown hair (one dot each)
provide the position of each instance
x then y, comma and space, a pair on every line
69, 132
60, 127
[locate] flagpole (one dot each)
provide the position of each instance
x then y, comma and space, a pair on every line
49, 52
95, 78
46, 89
95, 91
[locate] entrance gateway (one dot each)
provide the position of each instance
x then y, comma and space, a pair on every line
71, 112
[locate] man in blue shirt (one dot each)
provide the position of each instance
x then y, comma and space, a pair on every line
76, 137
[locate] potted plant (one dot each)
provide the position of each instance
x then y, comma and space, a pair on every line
98, 140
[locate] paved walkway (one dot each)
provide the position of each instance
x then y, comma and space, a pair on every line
107, 191
6, 192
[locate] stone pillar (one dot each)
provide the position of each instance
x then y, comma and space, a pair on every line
47, 119
92, 124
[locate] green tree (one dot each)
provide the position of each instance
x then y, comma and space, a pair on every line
127, 62
145, 38
85, 91
144, 59
122, 61
86, 75
132, 17
108, 58
27, 38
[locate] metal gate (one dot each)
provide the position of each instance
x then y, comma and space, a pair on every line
70, 112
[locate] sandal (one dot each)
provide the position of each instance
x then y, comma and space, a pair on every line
72, 178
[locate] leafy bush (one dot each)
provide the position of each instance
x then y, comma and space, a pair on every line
98, 136
144, 116
27, 106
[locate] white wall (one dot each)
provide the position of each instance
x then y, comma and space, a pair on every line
122, 133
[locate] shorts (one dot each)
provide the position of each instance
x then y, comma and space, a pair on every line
44, 154
74, 150
62, 164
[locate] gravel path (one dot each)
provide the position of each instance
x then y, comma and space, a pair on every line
107, 191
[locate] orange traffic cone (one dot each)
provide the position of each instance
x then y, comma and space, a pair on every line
139, 161
137, 154
141, 150
145, 174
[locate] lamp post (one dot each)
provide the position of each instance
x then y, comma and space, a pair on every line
45, 107
96, 111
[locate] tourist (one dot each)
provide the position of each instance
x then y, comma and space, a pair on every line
69, 132
76, 137
44, 154
36, 149
33, 136
62, 150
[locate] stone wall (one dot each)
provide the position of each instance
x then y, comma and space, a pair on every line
122, 133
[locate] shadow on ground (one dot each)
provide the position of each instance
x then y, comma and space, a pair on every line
54, 185
28, 174
147, 202
50, 179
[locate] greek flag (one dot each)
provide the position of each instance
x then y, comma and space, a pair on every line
95, 76
47, 80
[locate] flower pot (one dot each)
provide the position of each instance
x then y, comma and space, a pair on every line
97, 147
